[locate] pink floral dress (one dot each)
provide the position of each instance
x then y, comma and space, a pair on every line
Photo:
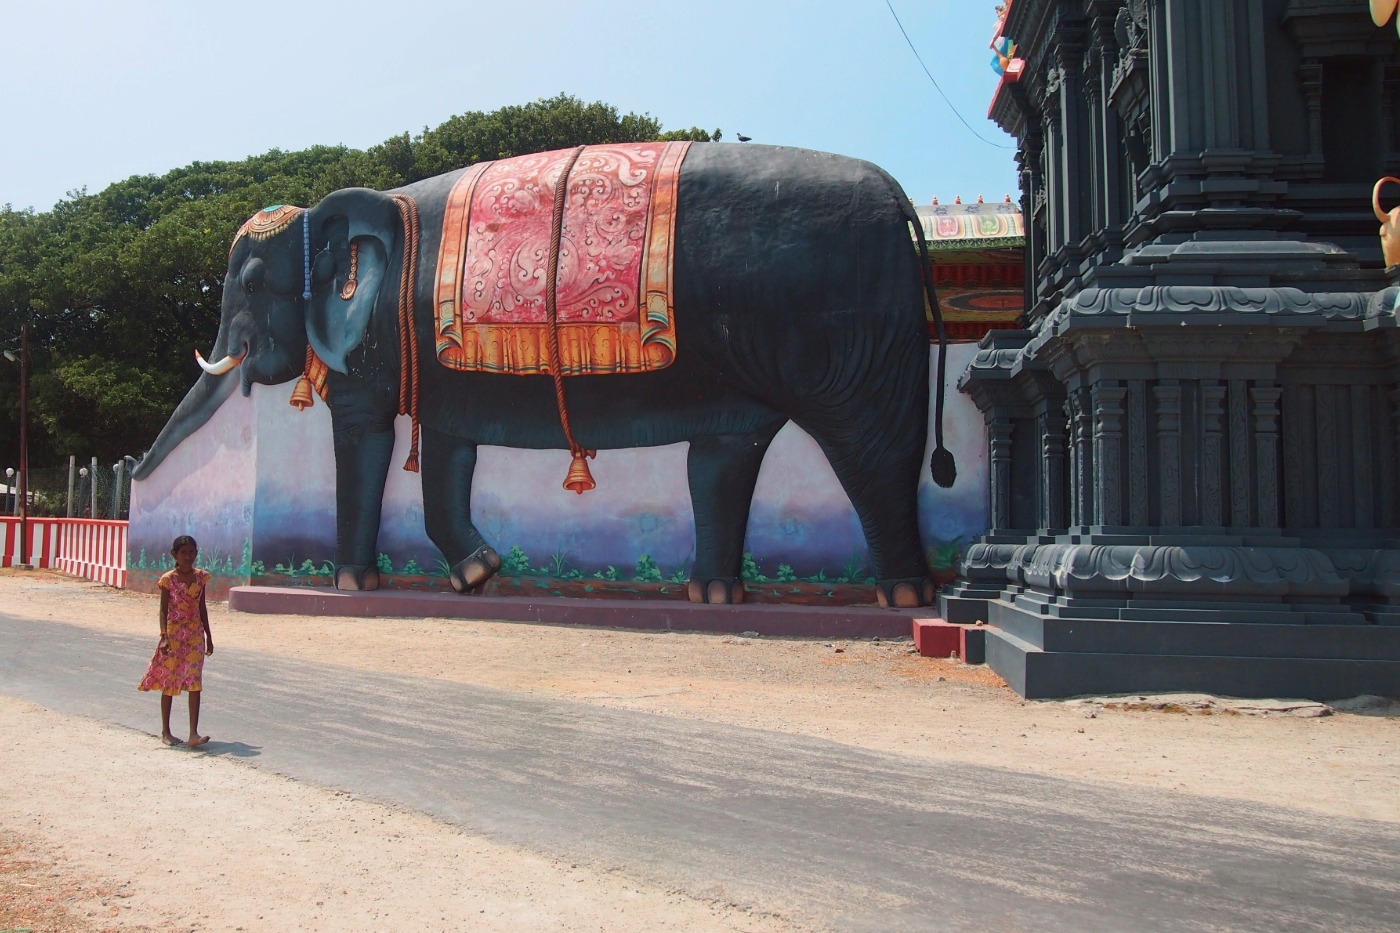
182, 666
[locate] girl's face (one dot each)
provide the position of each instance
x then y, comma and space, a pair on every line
184, 557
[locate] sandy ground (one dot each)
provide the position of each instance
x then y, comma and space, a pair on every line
80, 849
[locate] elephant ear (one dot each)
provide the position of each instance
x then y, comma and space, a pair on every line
369, 220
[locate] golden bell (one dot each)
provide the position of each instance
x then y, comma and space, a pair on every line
302, 396
579, 479
1390, 224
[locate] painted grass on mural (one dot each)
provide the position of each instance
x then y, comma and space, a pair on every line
556, 574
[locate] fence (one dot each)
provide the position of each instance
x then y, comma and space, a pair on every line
43, 543
94, 550
78, 490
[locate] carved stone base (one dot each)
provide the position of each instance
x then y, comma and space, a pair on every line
1082, 615
1373, 576
1053, 658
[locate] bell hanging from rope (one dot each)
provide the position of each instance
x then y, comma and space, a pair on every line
579, 479
302, 396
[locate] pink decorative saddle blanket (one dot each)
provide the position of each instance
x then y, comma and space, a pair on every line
614, 305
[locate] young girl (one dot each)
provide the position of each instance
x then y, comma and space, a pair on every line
185, 639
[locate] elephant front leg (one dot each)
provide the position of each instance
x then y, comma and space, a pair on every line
449, 463
363, 449
722, 472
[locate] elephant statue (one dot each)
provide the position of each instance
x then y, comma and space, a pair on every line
775, 284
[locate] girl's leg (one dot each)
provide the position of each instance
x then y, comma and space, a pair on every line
166, 700
195, 737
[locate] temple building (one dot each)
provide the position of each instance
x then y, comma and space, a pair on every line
1193, 441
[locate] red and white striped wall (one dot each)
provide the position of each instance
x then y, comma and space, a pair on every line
95, 550
43, 541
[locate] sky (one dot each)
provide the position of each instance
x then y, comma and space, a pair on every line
92, 93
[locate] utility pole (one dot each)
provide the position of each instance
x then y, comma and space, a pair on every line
24, 443
22, 505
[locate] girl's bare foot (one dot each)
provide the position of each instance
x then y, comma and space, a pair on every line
169, 739
198, 740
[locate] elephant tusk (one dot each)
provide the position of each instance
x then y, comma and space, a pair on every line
222, 366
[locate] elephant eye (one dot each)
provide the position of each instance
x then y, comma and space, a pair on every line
252, 276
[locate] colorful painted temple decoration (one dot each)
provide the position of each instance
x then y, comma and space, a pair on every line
978, 262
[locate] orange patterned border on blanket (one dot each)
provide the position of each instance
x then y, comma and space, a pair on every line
615, 307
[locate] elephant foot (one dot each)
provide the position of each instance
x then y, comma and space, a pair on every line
907, 593
352, 577
721, 591
471, 574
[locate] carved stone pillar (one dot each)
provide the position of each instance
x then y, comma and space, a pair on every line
1363, 490
1137, 465
1390, 93
1108, 453
1052, 155
999, 467
1168, 395
1328, 467
1052, 475
1082, 477
1311, 75
1386, 463
1265, 399
1393, 453
1240, 513
1212, 510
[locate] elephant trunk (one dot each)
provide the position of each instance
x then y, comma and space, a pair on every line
194, 411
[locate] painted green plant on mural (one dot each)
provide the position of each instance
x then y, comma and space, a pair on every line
212, 561
945, 554
559, 565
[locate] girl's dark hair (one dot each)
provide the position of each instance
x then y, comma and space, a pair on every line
181, 542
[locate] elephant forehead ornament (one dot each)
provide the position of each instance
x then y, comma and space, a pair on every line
268, 222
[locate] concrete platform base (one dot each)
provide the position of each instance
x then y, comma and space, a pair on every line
1046, 658
650, 615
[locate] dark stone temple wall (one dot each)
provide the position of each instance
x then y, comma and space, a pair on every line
1193, 443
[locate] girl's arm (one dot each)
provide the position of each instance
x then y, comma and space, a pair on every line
204, 617
164, 608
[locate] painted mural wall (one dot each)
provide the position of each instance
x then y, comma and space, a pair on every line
256, 487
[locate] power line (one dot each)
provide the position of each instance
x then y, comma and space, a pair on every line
935, 82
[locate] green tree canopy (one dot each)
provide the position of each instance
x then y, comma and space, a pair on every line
120, 287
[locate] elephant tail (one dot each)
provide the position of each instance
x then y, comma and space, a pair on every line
942, 465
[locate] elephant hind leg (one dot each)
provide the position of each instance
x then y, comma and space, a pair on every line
879, 464
723, 470
470, 575
449, 464
908, 593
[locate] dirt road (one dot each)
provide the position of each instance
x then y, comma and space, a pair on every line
101, 828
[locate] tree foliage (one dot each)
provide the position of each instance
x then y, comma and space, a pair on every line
120, 287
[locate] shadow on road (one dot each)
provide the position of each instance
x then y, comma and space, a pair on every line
232, 749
